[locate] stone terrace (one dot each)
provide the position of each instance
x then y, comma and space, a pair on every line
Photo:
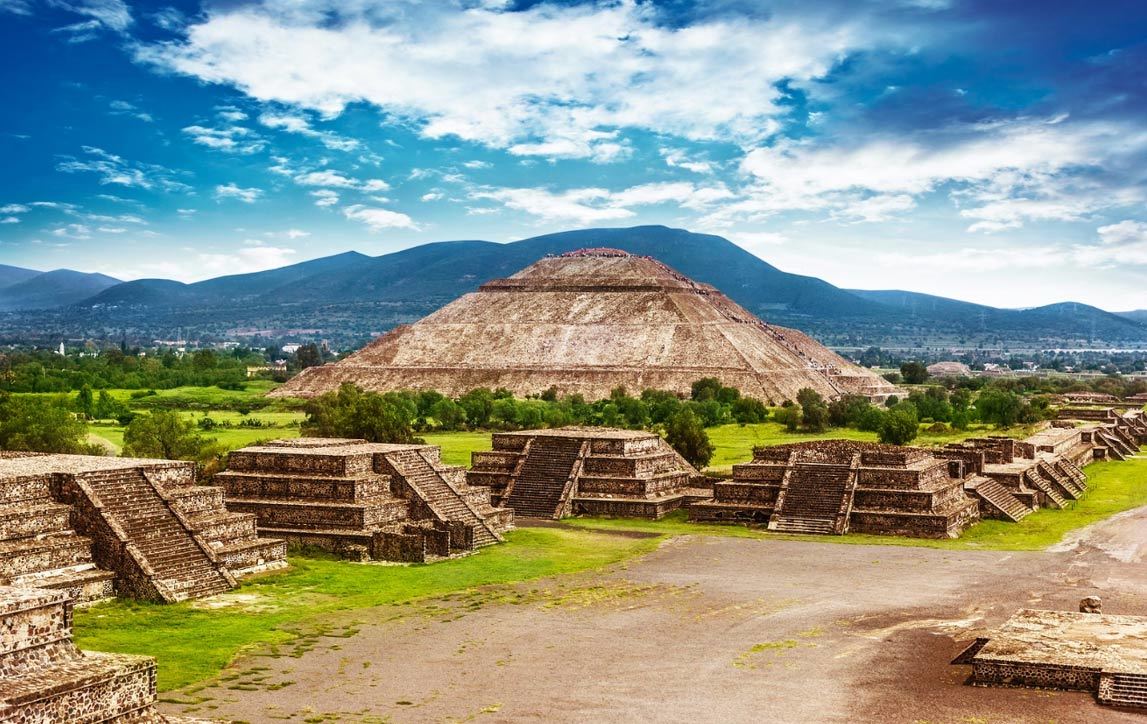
362, 500
45, 678
1103, 654
143, 522
593, 471
838, 486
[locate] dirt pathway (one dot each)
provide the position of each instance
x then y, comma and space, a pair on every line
704, 629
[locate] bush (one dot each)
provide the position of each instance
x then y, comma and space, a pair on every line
165, 435
40, 425
350, 412
914, 373
790, 416
814, 411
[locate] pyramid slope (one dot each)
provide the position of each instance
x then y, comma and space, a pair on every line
587, 322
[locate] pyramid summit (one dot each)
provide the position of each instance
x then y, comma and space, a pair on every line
586, 322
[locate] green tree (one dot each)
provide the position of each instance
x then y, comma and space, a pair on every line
914, 373
37, 424
814, 411
790, 416
308, 355
350, 412
687, 436
165, 435
86, 402
749, 410
1000, 407
848, 410
900, 425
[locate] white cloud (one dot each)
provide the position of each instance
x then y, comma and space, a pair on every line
111, 229
557, 80
232, 191
113, 14
10, 220
73, 231
329, 179
123, 108
231, 139
253, 257
675, 158
116, 170
432, 196
325, 197
589, 205
298, 124
378, 219
13, 209
16, 7
477, 164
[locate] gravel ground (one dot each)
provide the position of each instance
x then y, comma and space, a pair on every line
704, 629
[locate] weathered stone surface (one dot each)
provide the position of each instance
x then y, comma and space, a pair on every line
587, 322
354, 498
144, 523
597, 471
45, 678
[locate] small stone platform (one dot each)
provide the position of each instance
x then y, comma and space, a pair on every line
839, 486
362, 500
550, 474
94, 525
1100, 653
45, 678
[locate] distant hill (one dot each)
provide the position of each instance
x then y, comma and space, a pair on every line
49, 290
10, 275
1137, 315
1069, 319
347, 298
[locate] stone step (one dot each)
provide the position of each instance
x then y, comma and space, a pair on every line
788, 524
84, 582
1002, 500
48, 552
31, 519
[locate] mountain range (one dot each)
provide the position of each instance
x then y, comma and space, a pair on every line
346, 298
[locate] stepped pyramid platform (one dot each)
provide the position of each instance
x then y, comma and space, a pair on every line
82, 522
45, 678
840, 486
360, 499
1100, 653
586, 322
586, 470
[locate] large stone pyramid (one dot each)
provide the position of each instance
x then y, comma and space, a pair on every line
587, 322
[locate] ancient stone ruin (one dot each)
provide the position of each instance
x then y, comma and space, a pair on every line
93, 526
1096, 652
362, 500
587, 322
592, 471
840, 486
45, 678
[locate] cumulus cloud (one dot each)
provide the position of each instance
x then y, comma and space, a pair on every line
254, 256
554, 80
378, 219
233, 191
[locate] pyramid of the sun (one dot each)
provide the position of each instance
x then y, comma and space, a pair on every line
587, 322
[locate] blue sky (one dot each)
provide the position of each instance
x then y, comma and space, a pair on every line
989, 151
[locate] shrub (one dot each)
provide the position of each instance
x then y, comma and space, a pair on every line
688, 437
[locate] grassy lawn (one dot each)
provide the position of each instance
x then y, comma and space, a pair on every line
193, 642
457, 446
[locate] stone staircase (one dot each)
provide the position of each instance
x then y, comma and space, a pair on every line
1001, 499
538, 489
1125, 690
233, 537
39, 548
1065, 483
1036, 480
45, 678
177, 565
1073, 471
813, 498
447, 503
